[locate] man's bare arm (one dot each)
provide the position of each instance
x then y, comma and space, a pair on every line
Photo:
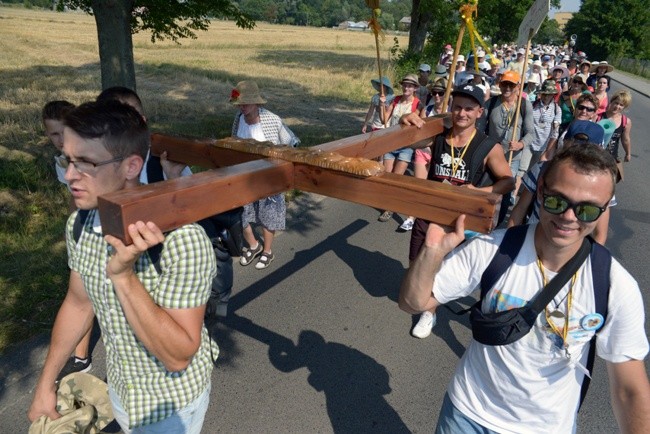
415, 293
73, 321
630, 394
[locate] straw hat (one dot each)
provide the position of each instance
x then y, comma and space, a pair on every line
410, 78
440, 83
563, 68
596, 65
246, 92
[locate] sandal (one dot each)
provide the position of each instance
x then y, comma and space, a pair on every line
249, 254
264, 261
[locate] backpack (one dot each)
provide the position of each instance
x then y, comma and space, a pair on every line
414, 104
601, 261
493, 102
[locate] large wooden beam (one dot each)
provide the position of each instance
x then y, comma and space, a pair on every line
204, 153
180, 201
176, 202
433, 201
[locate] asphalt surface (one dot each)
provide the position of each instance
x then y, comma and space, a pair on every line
316, 343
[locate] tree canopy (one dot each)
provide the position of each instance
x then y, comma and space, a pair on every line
612, 28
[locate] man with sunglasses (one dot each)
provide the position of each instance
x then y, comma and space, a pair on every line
158, 351
533, 384
579, 133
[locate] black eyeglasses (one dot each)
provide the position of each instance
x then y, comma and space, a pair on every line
584, 107
585, 212
437, 93
85, 167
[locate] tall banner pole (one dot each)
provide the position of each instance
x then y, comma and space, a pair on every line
452, 70
376, 28
519, 97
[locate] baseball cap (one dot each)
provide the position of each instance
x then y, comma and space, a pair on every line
521, 51
424, 67
585, 131
471, 91
511, 76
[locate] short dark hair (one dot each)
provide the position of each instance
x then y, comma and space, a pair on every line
588, 97
56, 110
121, 128
122, 94
585, 158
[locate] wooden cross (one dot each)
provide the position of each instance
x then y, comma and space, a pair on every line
238, 178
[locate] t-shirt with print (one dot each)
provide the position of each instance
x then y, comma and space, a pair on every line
515, 388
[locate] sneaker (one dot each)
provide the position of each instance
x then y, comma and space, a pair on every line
74, 365
407, 225
424, 326
249, 254
385, 216
264, 261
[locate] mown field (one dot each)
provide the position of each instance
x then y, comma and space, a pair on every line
316, 79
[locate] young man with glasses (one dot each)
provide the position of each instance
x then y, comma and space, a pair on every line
158, 351
534, 383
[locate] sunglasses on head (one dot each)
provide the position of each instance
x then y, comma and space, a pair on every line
584, 107
585, 212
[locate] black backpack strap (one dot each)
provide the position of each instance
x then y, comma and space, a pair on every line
79, 222
492, 102
154, 170
479, 175
505, 256
601, 262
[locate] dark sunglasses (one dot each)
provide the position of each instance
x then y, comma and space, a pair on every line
584, 107
438, 93
585, 212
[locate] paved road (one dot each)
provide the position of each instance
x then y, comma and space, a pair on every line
316, 342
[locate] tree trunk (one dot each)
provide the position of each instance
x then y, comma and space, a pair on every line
113, 18
420, 18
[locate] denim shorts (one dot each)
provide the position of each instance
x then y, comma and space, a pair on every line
404, 154
452, 421
188, 420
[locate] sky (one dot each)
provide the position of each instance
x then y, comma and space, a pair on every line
567, 6
570, 5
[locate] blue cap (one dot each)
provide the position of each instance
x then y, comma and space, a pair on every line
592, 132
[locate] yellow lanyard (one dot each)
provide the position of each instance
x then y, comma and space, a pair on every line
508, 113
569, 300
456, 163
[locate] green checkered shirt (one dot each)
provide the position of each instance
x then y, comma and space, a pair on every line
148, 392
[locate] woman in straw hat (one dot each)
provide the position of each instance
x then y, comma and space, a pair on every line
402, 105
255, 122
598, 69
373, 116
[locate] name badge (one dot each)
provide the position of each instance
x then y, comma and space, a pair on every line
592, 322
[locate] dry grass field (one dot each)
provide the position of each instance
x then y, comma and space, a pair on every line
316, 79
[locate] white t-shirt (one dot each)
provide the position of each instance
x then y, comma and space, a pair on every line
530, 385
246, 131
144, 178
60, 174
